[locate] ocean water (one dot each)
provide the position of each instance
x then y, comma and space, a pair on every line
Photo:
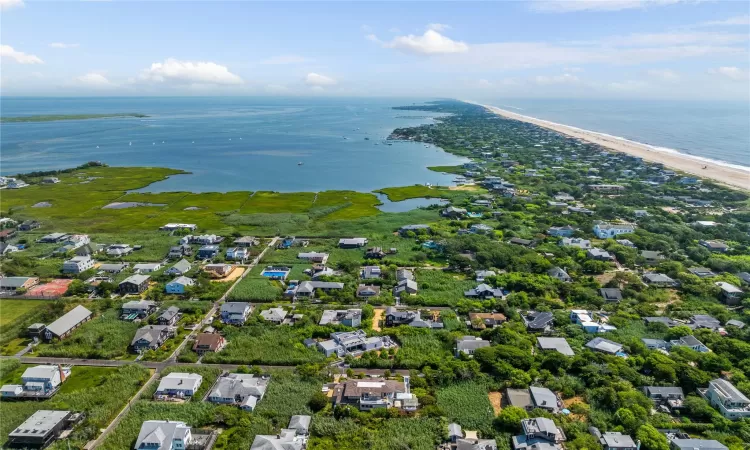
229, 144
715, 130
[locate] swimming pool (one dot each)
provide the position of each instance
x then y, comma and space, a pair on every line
274, 274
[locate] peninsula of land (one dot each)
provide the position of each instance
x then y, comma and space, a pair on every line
731, 176
58, 117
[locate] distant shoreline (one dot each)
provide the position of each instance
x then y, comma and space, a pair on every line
58, 117
724, 173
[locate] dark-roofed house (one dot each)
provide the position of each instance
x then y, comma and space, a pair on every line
169, 316
246, 241
696, 444
235, 313
352, 242
366, 291
715, 246
404, 274
652, 257
704, 321
65, 325
611, 294
16, 283
394, 317
137, 309
539, 433
40, 429
374, 253
701, 272
661, 319
655, 344
113, 268
468, 344
134, 284
730, 294
536, 321
484, 292
521, 242
405, 287
150, 337
725, 397
555, 343
658, 280
690, 341
668, 396
520, 398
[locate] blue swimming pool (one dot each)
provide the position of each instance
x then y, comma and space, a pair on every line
274, 274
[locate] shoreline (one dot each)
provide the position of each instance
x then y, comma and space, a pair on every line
720, 172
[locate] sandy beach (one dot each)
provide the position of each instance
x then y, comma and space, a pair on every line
730, 176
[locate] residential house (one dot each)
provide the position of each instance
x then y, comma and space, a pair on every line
521, 242
137, 309
661, 319
405, 287
469, 344
605, 346
414, 229
374, 393
218, 270
274, 315
243, 390
146, 267
715, 246
480, 228
583, 244
62, 327
370, 273
626, 243
725, 397
704, 321
404, 274
374, 253
7, 248
180, 251
559, 274
557, 344
614, 440
656, 344
539, 433
481, 275
730, 294
53, 238
39, 381
206, 239
246, 241
164, 435
41, 429
611, 294
235, 313
696, 444
134, 284
209, 342
701, 272
639, 213
179, 385
307, 289
565, 231
12, 284
610, 230
652, 257
670, 397
538, 321
352, 242
454, 213
150, 337
598, 254
343, 343
237, 253
170, 316
347, 317
484, 292
178, 285
179, 268
658, 280
692, 342
735, 323
607, 188
28, 225
481, 321
367, 291
119, 250
78, 264
294, 437
208, 251
314, 257
394, 317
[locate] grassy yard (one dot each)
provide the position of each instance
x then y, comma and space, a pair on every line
11, 310
265, 344
256, 289
439, 288
397, 194
467, 403
407, 433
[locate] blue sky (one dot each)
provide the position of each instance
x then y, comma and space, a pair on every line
591, 48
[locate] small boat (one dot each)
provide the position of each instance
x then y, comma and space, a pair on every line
230, 139
367, 139
162, 142
193, 142
240, 138
97, 146
300, 163
130, 143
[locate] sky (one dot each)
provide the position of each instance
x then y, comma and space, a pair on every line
638, 49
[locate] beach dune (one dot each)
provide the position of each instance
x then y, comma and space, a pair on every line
731, 176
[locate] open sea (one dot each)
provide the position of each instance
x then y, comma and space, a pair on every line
253, 143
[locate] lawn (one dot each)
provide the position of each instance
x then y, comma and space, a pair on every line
288, 394
265, 344
101, 394
467, 404
403, 433
439, 288
397, 194
256, 289
103, 337
11, 310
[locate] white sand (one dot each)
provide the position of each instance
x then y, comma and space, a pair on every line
731, 176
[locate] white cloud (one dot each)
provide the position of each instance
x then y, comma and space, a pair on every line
10, 4
63, 45
677, 38
318, 80
482, 83
95, 80
438, 27
6, 51
546, 80
663, 74
285, 59
187, 72
733, 73
737, 20
430, 43
565, 6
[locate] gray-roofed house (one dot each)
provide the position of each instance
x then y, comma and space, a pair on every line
178, 384
112, 268
404, 274
655, 344
274, 315
724, 396
344, 343
294, 437
17, 283
670, 397
602, 345
414, 228
611, 294
134, 284
652, 257
40, 429
454, 432
557, 344
715, 246
539, 433
169, 316
181, 267
370, 272
352, 242
484, 291
150, 337
469, 344
71, 320
235, 313
243, 390
347, 317
301, 424
367, 291
545, 399
405, 287
658, 280
520, 398
395, 317
696, 444
704, 321
559, 274
614, 440
690, 341
702, 272
599, 255
246, 241
730, 294
581, 243
735, 323
660, 319
307, 289
164, 435
537, 321
137, 309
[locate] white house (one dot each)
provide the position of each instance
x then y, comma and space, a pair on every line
724, 396
610, 230
245, 390
179, 384
78, 264
164, 435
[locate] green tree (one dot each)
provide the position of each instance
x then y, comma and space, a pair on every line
510, 418
651, 439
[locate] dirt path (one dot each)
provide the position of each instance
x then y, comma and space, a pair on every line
496, 398
233, 275
377, 317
